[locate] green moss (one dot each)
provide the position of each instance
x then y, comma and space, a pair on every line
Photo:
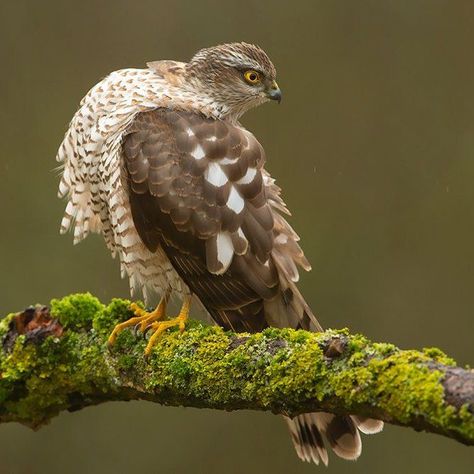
5, 323
439, 356
48, 373
279, 369
117, 311
76, 311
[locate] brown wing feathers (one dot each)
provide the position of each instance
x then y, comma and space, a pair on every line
196, 189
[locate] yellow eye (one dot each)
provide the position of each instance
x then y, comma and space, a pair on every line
252, 77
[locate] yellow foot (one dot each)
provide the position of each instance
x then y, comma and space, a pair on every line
159, 327
142, 318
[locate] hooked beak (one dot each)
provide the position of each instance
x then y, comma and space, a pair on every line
274, 92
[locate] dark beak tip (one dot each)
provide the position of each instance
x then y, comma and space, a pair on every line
275, 95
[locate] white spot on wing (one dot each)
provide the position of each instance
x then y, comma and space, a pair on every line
189, 132
281, 239
241, 243
225, 250
235, 201
211, 139
228, 161
215, 176
248, 176
198, 153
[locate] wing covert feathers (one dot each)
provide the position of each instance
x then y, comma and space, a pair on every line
198, 189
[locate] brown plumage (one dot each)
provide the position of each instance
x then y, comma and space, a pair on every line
157, 161
177, 204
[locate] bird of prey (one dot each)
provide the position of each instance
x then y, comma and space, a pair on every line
157, 162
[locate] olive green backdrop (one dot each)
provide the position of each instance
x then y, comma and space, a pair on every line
373, 145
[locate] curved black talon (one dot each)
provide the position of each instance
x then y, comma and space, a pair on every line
136, 329
145, 332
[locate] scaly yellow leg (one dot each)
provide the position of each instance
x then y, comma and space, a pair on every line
142, 317
159, 327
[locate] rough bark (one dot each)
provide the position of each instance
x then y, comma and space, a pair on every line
58, 360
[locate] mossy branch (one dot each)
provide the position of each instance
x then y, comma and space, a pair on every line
60, 361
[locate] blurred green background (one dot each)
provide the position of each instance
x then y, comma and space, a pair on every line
373, 145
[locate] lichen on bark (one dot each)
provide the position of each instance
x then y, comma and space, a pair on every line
58, 361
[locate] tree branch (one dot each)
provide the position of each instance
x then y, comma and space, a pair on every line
60, 361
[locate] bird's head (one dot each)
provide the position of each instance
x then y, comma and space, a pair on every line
236, 76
